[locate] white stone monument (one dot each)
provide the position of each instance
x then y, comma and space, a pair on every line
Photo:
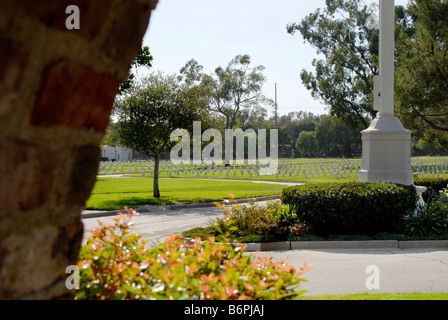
386, 150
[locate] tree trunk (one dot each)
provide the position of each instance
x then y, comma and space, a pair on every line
156, 191
47, 174
347, 150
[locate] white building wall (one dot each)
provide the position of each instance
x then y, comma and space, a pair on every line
116, 153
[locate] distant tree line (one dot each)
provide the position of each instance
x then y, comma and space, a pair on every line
310, 135
345, 35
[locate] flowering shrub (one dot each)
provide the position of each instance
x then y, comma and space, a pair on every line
110, 262
273, 221
117, 264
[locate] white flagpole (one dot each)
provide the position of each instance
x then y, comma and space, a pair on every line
387, 48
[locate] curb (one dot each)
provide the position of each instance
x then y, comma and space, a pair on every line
210, 204
97, 214
152, 208
328, 245
367, 244
319, 245
442, 244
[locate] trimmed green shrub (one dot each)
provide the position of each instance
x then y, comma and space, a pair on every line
351, 208
434, 185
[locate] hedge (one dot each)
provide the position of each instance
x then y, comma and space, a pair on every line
351, 208
434, 185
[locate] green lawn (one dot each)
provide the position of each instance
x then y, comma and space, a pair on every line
116, 193
380, 296
245, 176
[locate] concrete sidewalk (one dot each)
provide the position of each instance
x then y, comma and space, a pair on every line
343, 271
158, 221
339, 266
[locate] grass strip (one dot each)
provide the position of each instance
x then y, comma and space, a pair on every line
116, 193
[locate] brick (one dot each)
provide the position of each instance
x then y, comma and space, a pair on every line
27, 172
26, 265
14, 65
93, 14
68, 242
124, 40
75, 96
83, 174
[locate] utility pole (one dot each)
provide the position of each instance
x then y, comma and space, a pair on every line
276, 107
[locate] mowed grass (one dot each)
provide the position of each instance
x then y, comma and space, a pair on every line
117, 193
245, 176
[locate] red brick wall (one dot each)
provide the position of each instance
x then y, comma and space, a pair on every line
57, 87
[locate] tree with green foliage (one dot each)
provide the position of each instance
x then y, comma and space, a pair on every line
143, 59
292, 124
307, 143
110, 138
151, 110
191, 72
422, 69
429, 147
344, 35
234, 92
336, 138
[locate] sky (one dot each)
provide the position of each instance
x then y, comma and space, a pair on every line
213, 32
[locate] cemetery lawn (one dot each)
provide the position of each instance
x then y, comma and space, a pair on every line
324, 170
246, 176
117, 193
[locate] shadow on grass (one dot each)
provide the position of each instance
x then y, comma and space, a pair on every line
133, 202
128, 202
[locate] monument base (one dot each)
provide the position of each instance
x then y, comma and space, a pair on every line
386, 152
420, 190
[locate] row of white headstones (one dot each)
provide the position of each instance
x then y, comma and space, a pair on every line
307, 168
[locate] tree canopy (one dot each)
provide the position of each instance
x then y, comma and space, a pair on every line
343, 34
143, 59
234, 92
422, 69
155, 107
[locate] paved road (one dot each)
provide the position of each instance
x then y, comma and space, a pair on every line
371, 270
335, 271
155, 222
158, 223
